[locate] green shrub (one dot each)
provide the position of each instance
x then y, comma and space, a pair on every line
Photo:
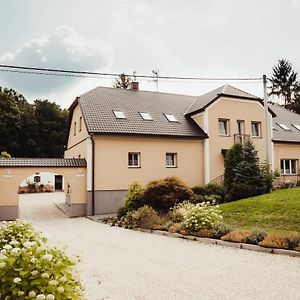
215, 189
30, 269
239, 191
165, 193
255, 237
220, 229
200, 190
202, 216
178, 212
211, 192
144, 217
122, 211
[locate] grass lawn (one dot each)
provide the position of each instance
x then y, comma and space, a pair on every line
277, 211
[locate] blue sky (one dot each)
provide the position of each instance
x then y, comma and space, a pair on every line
213, 38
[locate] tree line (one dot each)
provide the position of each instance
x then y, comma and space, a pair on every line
31, 130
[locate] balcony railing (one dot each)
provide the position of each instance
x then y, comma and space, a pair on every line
241, 138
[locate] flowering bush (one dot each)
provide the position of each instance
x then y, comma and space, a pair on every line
202, 216
29, 269
178, 212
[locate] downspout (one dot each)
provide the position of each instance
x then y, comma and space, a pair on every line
93, 175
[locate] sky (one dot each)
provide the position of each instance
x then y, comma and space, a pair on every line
191, 38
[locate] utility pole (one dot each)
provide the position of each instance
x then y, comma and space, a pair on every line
267, 121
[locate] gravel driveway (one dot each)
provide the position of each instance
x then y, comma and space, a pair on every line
121, 264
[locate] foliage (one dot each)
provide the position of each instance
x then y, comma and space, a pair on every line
4, 154
233, 157
202, 216
215, 189
144, 217
220, 229
246, 176
256, 237
133, 198
268, 176
31, 130
176, 228
288, 240
30, 269
287, 184
212, 192
236, 236
122, 82
276, 211
165, 193
178, 212
284, 84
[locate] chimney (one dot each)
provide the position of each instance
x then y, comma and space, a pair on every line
134, 86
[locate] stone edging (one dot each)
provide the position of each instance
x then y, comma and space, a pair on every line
223, 243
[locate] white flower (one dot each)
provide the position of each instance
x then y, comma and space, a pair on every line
47, 257
3, 251
15, 250
45, 275
40, 297
32, 294
7, 247
60, 289
33, 260
28, 244
2, 265
21, 293
2, 256
17, 280
50, 297
63, 279
14, 243
34, 272
53, 282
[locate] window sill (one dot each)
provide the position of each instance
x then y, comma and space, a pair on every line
171, 167
224, 135
134, 167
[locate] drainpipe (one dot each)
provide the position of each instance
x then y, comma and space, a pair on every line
93, 175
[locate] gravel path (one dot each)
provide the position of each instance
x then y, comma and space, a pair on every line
123, 264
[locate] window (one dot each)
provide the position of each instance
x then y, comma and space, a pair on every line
241, 127
37, 179
74, 128
134, 159
255, 129
171, 118
80, 123
146, 116
296, 126
283, 126
171, 160
224, 127
288, 166
119, 114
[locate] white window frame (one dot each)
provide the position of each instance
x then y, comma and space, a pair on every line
171, 118
173, 159
146, 116
74, 128
119, 114
290, 169
131, 161
258, 124
226, 129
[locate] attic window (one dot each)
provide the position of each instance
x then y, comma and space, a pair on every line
171, 118
296, 126
146, 116
283, 126
119, 114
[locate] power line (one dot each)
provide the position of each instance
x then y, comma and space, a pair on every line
86, 74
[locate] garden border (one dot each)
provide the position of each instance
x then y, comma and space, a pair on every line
222, 243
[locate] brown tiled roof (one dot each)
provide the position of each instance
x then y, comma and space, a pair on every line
205, 100
284, 116
98, 105
42, 162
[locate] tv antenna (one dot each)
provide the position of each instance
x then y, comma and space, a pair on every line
155, 75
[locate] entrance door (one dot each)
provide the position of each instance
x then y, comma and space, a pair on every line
58, 182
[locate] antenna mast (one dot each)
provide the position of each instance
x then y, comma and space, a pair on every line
155, 75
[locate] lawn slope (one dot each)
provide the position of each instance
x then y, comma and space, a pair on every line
277, 211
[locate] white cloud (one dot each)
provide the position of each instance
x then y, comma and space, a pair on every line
64, 49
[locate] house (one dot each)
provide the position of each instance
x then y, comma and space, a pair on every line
128, 135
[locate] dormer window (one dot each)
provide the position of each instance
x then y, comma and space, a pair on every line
284, 127
119, 114
296, 126
171, 118
146, 116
